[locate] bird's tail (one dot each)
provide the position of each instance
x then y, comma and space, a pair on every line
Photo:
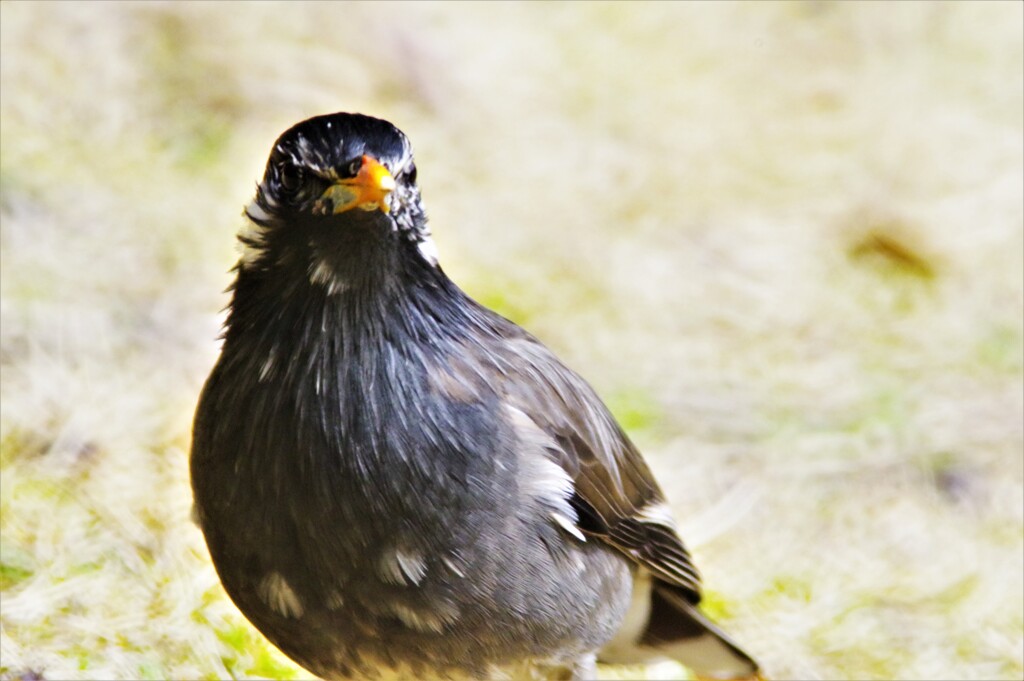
677, 629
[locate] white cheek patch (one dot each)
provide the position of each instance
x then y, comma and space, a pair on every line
252, 236
428, 250
255, 212
250, 246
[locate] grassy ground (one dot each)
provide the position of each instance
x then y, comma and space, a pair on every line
784, 241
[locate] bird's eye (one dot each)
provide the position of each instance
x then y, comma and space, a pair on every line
355, 165
290, 176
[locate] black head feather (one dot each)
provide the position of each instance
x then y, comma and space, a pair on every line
312, 154
306, 160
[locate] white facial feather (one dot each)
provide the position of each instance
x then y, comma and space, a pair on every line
252, 236
428, 250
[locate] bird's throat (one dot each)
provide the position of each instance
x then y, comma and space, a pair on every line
360, 284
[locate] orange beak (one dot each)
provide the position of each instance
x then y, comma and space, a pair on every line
368, 190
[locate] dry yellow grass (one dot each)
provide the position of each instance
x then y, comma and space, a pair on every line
785, 242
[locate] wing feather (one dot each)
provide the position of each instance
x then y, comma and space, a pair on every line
616, 497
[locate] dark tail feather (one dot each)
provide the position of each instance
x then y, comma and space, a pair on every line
677, 629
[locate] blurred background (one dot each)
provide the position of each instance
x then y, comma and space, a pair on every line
785, 242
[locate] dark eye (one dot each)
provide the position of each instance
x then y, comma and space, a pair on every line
355, 165
290, 176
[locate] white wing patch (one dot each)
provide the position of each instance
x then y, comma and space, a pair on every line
541, 479
657, 513
568, 526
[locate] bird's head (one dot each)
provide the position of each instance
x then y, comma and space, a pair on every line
329, 180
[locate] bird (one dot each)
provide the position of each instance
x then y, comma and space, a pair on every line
395, 482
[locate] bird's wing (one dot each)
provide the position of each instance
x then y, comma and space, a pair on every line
615, 496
